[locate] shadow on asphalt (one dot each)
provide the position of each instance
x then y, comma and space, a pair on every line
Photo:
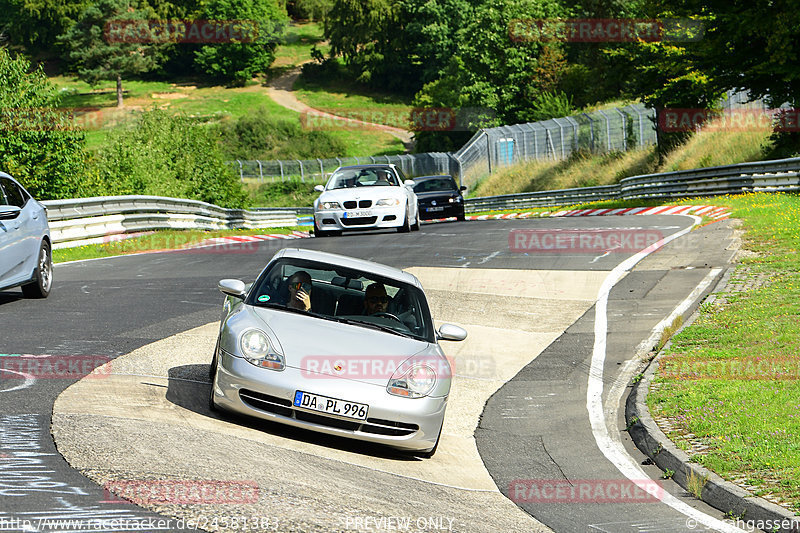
10, 296
189, 388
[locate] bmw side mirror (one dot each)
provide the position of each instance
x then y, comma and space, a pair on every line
450, 332
462, 188
232, 287
409, 183
9, 212
319, 188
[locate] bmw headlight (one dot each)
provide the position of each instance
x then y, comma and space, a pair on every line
257, 350
388, 202
330, 205
414, 381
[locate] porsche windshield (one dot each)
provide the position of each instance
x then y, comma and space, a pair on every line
345, 295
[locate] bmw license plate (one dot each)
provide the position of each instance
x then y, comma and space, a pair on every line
432, 209
332, 406
357, 214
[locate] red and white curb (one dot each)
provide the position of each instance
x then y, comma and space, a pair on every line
239, 239
711, 211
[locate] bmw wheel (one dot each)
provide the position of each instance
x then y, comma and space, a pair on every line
43, 275
406, 227
415, 226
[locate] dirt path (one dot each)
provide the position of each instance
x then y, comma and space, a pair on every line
280, 90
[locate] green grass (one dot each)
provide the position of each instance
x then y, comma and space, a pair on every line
351, 100
159, 240
751, 426
296, 46
209, 102
702, 150
580, 170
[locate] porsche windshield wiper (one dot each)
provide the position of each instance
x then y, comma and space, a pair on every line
372, 325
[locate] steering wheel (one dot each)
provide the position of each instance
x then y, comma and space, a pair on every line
387, 315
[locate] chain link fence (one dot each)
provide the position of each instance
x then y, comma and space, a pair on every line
318, 170
602, 131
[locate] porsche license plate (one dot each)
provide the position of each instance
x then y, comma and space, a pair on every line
358, 214
332, 406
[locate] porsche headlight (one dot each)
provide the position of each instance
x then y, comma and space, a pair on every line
415, 381
330, 205
257, 350
388, 202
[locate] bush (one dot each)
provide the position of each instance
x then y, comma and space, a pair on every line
260, 136
292, 193
168, 155
39, 144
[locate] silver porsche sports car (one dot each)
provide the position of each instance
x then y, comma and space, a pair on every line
337, 345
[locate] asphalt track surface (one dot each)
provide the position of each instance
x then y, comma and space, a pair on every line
534, 428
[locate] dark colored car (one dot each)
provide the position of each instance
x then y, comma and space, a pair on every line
439, 197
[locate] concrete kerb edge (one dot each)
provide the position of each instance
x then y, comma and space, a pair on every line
715, 491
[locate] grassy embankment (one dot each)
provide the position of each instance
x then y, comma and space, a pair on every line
211, 102
702, 150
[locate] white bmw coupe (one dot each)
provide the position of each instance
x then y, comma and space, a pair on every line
363, 197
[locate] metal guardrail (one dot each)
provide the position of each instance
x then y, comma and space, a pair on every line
88, 220
782, 175
80, 221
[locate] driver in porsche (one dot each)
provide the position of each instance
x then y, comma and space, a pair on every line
375, 299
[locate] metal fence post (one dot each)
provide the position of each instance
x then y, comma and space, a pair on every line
591, 131
624, 129
302, 173
608, 130
260, 171
281, 165
241, 174
321, 170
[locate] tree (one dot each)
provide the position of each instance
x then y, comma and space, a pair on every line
112, 40
492, 68
749, 44
396, 45
238, 60
35, 24
39, 144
